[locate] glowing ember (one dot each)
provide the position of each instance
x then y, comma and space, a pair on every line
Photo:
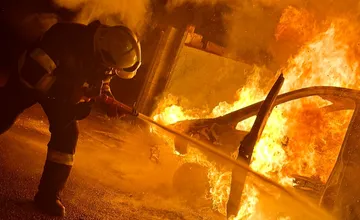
299, 136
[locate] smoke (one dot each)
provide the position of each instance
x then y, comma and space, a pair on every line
176, 3
252, 26
134, 13
32, 26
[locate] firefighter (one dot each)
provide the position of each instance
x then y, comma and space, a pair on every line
62, 70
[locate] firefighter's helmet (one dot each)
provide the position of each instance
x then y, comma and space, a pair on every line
119, 49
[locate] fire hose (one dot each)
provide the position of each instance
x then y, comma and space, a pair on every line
112, 101
240, 164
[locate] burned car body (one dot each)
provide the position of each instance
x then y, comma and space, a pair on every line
339, 195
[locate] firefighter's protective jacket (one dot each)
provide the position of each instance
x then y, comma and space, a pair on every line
62, 63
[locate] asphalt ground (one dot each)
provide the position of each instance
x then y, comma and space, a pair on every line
113, 177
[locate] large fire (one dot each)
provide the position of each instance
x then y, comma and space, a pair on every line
313, 136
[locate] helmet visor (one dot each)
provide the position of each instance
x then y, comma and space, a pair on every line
125, 74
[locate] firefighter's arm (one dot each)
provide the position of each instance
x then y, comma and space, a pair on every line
36, 70
38, 65
114, 108
42, 67
105, 91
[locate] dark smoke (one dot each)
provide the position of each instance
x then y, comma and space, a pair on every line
134, 13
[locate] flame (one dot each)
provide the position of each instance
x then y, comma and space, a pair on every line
324, 61
299, 136
219, 179
168, 111
244, 97
249, 207
296, 25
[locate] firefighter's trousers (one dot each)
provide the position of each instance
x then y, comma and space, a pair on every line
14, 99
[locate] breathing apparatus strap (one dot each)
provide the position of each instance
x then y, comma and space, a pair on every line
41, 78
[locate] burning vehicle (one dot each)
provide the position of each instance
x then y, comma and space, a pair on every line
303, 135
330, 194
341, 99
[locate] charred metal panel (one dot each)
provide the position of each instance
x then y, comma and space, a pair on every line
342, 193
247, 147
203, 79
308, 184
171, 42
342, 99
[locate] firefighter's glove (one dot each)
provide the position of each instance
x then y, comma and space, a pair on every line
83, 109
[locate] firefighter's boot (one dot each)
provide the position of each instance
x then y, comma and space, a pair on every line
51, 184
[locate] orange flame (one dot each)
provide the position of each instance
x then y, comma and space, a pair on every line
296, 25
